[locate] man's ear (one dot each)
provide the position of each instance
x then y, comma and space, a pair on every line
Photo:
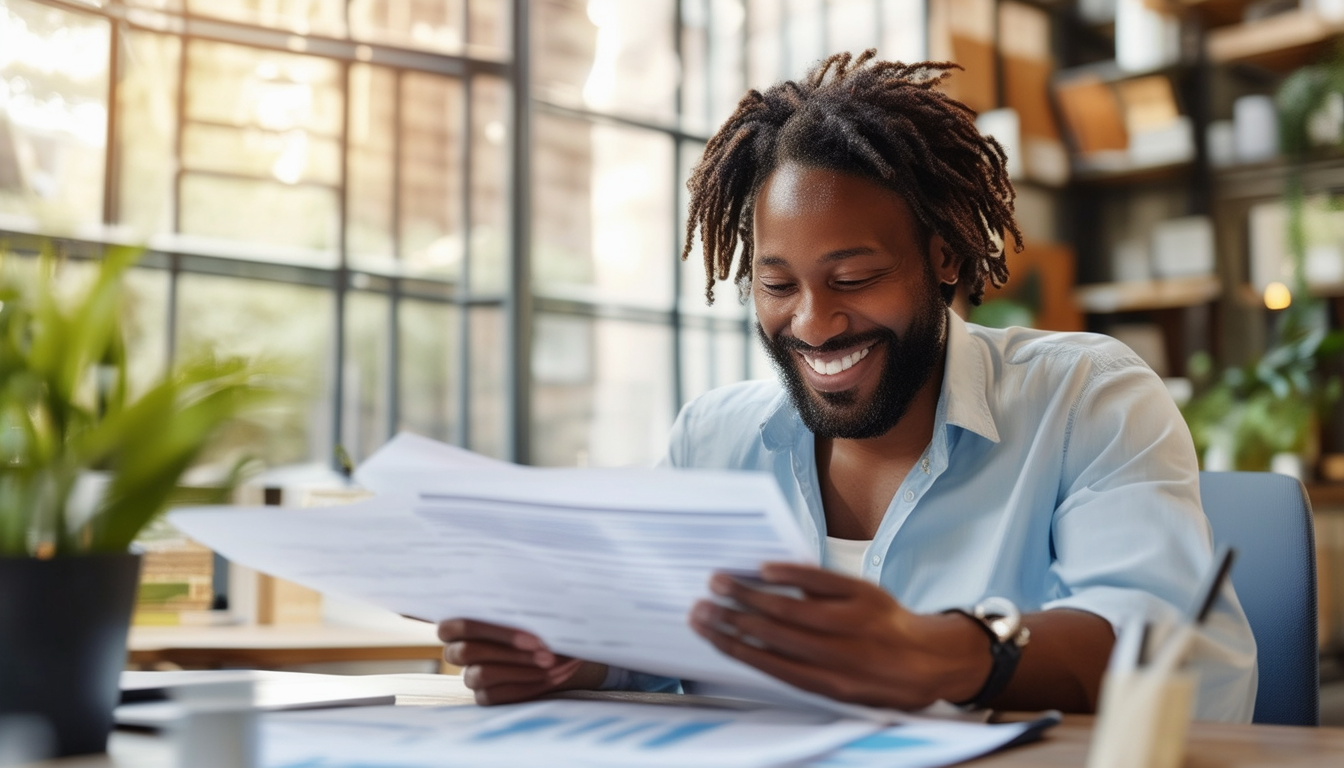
945, 267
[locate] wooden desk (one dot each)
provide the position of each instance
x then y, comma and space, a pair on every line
270, 647
1211, 745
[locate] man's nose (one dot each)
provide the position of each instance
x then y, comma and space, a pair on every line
817, 319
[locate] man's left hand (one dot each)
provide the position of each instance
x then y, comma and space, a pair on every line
846, 639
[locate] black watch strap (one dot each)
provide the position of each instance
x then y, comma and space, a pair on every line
1004, 656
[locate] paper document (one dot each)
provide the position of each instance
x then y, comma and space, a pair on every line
929, 744
602, 564
551, 733
409, 453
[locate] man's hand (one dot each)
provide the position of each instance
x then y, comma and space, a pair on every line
504, 665
846, 639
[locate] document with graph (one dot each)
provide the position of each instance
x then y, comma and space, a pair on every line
602, 564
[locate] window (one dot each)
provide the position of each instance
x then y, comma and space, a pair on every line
327, 183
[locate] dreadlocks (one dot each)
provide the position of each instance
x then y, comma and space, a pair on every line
881, 120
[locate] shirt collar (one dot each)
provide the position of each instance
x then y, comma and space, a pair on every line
965, 382
962, 401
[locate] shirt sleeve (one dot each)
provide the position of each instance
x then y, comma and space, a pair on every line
1130, 538
619, 679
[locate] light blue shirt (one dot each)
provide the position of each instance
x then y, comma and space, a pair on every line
1060, 475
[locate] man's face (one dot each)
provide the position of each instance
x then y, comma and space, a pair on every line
847, 299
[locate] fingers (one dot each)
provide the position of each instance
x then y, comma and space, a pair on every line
828, 649
453, 630
813, 663
834, 615
803, 675
486, 676
815, 581
467, 652
504, 684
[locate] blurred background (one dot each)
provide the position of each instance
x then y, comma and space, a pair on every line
462, 217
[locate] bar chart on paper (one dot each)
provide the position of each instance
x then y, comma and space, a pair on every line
551, 733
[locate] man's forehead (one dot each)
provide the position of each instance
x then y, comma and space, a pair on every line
796, 189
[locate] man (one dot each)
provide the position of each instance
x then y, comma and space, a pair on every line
935, 464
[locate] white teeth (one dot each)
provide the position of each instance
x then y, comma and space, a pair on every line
836, 366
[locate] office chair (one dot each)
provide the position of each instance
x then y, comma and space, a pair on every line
1267, 518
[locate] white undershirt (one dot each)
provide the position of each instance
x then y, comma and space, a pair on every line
846, 555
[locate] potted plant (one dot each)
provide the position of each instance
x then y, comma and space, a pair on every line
83, 467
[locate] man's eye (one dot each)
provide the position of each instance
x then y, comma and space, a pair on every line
776, 287
851, 283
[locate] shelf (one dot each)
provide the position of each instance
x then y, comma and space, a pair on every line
1218, 13
1137, 174
1282, 42
1144, 295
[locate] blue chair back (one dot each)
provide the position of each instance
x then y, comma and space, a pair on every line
1267, 518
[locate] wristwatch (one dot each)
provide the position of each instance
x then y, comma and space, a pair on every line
1007, 636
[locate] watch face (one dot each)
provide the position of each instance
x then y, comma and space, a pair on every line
1003, 627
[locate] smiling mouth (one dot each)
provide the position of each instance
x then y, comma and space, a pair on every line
835, 365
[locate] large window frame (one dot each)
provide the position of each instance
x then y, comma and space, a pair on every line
519, 303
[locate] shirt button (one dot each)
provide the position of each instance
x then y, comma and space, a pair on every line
925, 464
909, 495
877, 560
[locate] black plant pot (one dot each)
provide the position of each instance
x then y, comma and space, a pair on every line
63, 625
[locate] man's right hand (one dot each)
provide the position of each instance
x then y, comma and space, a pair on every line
503, 665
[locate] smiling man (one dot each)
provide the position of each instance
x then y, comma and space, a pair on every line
990, 506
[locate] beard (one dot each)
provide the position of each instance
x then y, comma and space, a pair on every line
910, 361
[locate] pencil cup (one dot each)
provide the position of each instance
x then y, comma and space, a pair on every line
218, 728
1142, 720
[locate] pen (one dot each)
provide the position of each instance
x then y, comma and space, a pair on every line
1176, 646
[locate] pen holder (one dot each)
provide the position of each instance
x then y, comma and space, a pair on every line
218, 728
1142, 720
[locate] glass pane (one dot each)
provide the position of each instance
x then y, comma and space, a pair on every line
490, 27
695, 63
146, 327
614, 57
429, 368
487, 381
803, 35
765, 44
711, 358
603, 392
727, 64
290, 157
369, 237
318, 17
434, 25
288, 324
147, 110
852, 26
53, 115
903, 36
603, 212
296, 224
364, 421
489, 184
265, 90
431, 175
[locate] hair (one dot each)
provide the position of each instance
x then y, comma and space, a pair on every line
880, 120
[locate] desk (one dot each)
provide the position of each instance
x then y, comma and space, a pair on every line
1210, 745
270, 647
